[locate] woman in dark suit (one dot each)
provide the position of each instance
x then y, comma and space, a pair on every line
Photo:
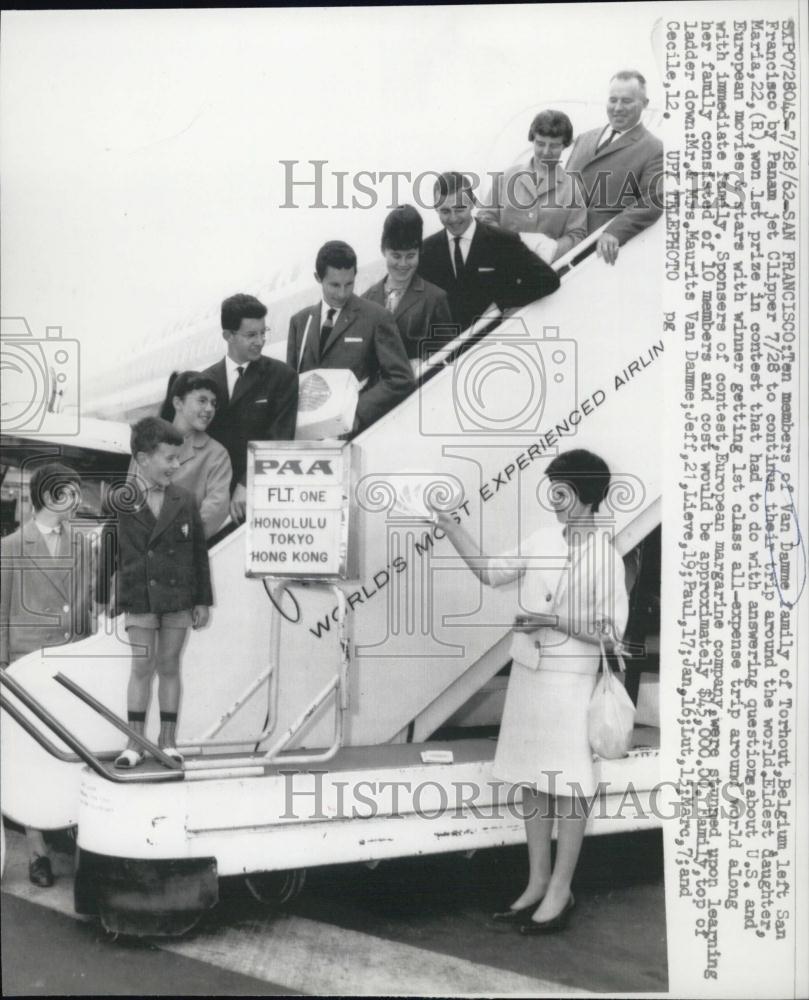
417, 305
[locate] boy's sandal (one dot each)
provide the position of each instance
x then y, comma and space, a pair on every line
174, 753
129, 758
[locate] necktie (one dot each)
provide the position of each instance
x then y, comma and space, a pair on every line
239, 374
606, 141
458, 257
326, 329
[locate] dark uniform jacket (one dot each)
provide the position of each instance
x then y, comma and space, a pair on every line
264, 407
499, 268
162, 565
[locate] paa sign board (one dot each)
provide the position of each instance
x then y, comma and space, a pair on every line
298, 509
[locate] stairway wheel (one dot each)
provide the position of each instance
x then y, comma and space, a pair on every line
276, 888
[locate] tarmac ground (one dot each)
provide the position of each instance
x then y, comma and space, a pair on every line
409, 926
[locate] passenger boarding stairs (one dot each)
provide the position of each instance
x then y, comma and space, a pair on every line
425, 635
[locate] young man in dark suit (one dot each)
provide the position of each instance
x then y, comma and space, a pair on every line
257, 397
619, 168
344, 331
478, 264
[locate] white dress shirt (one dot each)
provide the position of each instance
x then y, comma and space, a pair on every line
155, 496
324, 312
51, 533
609, 129
231, 370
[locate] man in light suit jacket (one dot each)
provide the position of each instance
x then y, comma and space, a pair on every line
619, 168
45, 599
257, 396
344, 331
477, 264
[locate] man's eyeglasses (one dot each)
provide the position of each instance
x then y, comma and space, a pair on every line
253, 337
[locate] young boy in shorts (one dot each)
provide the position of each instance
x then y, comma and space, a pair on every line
163, 581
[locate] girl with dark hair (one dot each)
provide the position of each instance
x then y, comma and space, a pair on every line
539, 197
556, 652
417, 305
205, 468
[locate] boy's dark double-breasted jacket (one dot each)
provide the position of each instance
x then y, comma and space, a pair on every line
162, 564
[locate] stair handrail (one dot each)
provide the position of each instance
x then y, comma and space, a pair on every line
66, 736
447, 354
